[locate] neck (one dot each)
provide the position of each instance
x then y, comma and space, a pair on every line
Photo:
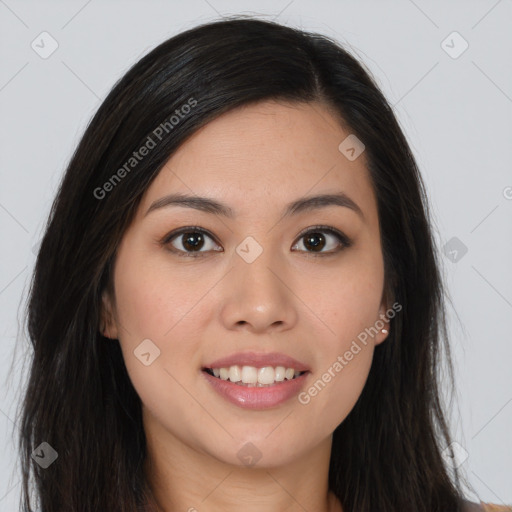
182, 478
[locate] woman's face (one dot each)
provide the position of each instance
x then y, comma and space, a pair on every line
263, 280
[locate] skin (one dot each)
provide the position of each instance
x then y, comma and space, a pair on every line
256, 159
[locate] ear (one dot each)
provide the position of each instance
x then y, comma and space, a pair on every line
108, 326
383, 321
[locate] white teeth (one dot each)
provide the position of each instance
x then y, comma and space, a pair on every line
289, 373
280, 373
235, 374
249, 375
253, 376
266, 375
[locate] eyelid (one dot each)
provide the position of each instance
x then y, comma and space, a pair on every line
345, 240
342, 239
185, 229
165, 241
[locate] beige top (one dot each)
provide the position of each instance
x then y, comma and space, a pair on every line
486, 507
468, 506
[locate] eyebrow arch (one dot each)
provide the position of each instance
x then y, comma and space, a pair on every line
214, 207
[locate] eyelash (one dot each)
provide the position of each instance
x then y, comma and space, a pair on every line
343, 239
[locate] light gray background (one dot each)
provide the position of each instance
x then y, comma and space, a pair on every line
456, 113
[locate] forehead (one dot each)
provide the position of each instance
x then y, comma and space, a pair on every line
265, 153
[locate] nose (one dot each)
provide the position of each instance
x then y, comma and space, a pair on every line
258, 296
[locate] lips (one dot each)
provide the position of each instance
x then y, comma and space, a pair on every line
258, 360
257, 398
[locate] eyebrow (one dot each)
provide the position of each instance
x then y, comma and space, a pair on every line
209, 205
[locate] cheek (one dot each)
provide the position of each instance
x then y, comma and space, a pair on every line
154, 299
345, 300
334, 390
348, 306
149, 308
153, 304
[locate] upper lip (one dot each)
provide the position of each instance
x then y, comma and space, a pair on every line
259, 360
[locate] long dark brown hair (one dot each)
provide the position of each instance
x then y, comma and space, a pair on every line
387, 454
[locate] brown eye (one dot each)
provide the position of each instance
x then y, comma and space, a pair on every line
188, 241
194, 241
315, 241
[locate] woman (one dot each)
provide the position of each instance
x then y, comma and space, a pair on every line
237, 299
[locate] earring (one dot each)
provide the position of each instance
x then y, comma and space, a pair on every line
385, 331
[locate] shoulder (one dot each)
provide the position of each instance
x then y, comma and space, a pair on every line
469, 506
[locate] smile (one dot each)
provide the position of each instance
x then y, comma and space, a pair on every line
251, 376
254, 394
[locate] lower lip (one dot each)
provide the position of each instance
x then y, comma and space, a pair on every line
255, 397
